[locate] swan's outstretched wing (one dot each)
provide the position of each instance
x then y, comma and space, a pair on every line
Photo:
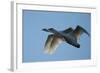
48, 43
52, 43
79, 31
68, 30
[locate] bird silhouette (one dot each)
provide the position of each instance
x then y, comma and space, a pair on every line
70, 36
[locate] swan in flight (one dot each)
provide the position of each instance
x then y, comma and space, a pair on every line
70, 36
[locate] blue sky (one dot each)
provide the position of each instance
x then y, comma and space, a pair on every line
34, 38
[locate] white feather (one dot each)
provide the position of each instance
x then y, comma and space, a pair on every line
52, 44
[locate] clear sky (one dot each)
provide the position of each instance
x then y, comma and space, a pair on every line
34, 38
